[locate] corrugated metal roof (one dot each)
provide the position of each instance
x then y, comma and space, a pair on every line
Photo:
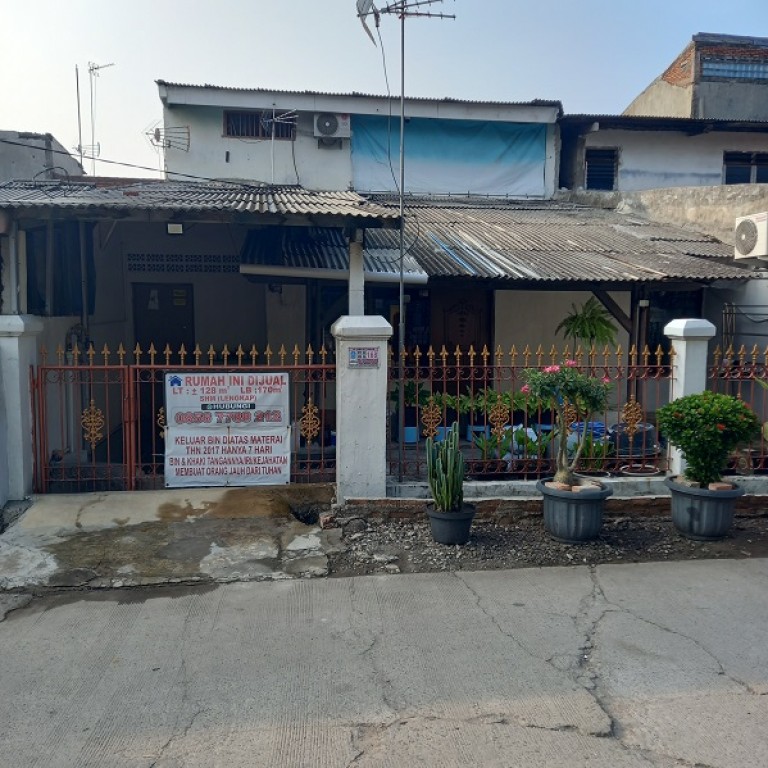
552, 241
189, 197
301, 248
355, 94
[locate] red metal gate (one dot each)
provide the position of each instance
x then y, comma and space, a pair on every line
99, 418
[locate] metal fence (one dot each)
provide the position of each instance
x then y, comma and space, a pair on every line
99, 417
743, 373
505, 434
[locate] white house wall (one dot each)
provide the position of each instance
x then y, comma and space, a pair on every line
212, 155
649, 160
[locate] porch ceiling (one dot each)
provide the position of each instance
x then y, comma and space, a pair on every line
547, 242
100, 198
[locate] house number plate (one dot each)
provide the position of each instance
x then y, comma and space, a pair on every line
363, 357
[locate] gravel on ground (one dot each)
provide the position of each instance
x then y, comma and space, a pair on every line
406, 545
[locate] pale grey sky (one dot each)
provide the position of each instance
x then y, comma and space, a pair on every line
593, 55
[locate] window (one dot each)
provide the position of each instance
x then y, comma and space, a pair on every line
601, 165
259, 125
745, 167
735, 69
66, 280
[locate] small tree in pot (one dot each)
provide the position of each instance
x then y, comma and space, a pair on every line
706, 427
563, 388
451, 518
570, 515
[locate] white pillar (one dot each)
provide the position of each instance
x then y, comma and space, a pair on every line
361, 405
356, 276
18, 351
690, 343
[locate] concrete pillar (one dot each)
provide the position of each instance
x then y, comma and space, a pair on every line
356, 276
18, 351
690, 342
361, 407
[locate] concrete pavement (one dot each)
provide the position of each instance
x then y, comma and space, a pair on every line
156, 537
616, 666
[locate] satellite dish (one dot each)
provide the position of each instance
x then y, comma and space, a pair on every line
365, 8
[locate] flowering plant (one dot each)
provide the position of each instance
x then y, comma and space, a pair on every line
706, 427
573, 396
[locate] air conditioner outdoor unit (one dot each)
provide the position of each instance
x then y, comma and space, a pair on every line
331, 125
751, 236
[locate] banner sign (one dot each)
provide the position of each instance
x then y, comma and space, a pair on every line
227, 429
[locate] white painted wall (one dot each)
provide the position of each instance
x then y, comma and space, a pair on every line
653, 159
252, 159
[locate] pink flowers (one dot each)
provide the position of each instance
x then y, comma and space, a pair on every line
525, 389
606, 380
570, 364
552, 369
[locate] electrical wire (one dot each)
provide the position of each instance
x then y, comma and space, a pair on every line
195, 177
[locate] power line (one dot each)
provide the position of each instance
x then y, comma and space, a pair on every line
138, 167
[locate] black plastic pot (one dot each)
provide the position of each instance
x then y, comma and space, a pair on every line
451, 527
701, 514
573, 516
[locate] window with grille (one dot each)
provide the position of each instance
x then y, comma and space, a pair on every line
601, 166
249, 124
745, 167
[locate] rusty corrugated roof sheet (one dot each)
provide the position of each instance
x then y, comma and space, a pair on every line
552, 241
190, 197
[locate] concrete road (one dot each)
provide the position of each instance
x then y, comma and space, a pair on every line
617, 666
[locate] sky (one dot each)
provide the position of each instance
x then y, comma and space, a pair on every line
594, 56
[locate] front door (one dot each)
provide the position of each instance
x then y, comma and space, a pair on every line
461, 318
163, 314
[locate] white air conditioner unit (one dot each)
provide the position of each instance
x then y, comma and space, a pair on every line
751, 236
331, 125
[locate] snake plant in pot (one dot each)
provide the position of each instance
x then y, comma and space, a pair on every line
449, 517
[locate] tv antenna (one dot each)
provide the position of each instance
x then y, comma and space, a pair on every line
169, 137
93, 72
404, 9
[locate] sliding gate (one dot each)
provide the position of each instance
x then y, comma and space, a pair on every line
100, 418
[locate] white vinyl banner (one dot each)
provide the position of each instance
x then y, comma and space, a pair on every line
227, 429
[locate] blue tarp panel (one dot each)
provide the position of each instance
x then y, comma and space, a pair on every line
442, 157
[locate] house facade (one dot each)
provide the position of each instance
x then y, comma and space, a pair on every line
279, 214
351, 141
722, 77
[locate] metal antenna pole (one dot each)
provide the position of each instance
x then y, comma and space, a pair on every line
404, 9
79, 119
93, 71
401, 284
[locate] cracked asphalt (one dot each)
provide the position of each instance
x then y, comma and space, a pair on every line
658, 665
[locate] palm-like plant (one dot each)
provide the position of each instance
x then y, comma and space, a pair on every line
592, 324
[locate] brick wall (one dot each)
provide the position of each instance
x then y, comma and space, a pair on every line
680, 72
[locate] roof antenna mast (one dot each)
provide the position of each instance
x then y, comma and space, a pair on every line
404, 9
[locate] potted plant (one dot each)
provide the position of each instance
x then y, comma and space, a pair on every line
415, 397
573, 508
592, 323
450, 518
706, 427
